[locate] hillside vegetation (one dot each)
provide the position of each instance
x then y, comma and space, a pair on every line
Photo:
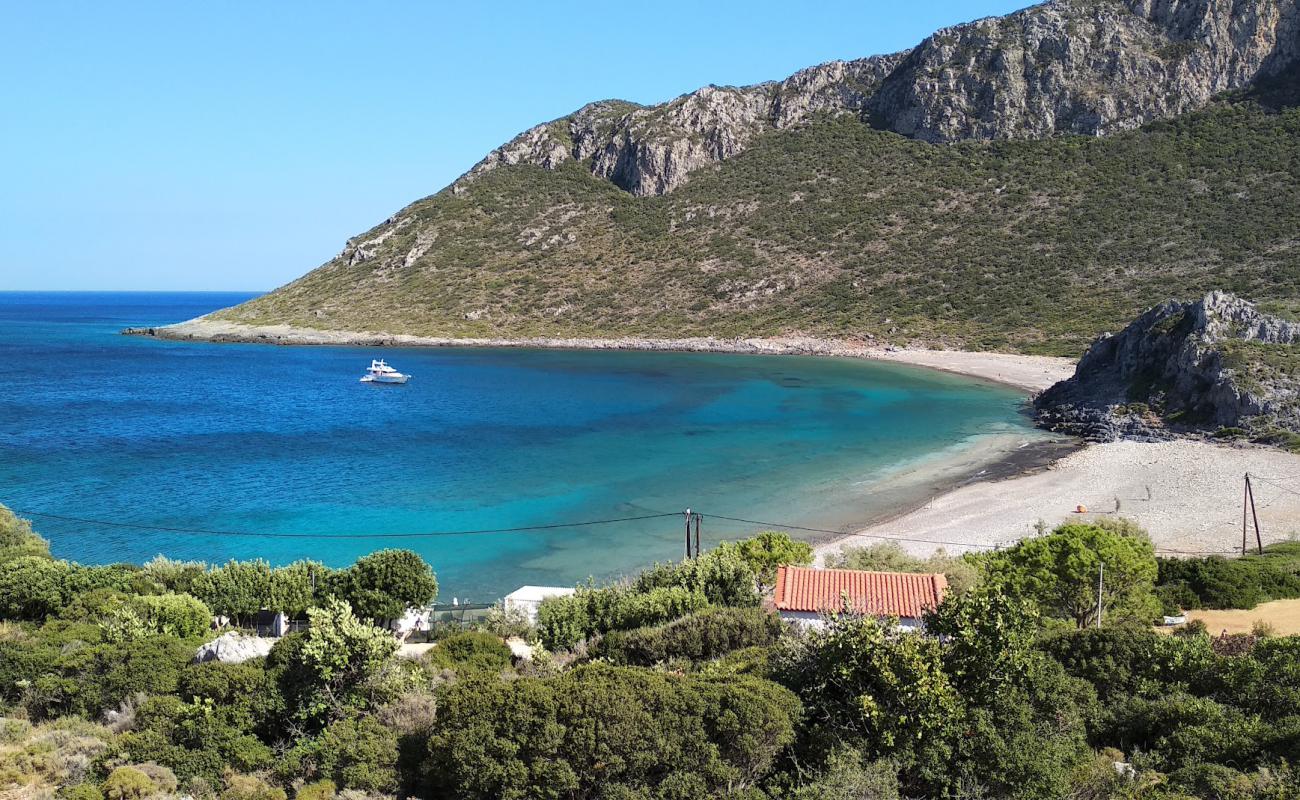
836, 229
676, 683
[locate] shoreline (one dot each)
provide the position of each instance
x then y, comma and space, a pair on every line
1027, 373
1187, 494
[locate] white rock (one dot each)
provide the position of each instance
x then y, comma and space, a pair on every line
234, 647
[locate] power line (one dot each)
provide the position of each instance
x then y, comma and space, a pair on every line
205, 532
783, 526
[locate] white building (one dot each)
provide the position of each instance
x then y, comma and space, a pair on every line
528, 598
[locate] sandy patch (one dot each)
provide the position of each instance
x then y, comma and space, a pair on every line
1187, 494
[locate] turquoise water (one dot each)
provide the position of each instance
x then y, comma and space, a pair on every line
252, 438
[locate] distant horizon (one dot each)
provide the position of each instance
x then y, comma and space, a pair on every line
176, 148
136, 291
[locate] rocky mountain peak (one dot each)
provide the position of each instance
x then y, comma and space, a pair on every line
1090, 67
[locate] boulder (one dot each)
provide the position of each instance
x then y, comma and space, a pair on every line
234, 647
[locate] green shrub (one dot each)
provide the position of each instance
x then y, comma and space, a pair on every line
32, 587
128, 783
1243, 582
178, 615
562, 622
1058, 572
598, 730
317, 790
250, 787
359, 754
766, 551
470, 650
723, 575
17, 538
81, 791
702, 636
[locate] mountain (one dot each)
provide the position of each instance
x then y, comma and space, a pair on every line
1021, 182
1214, 365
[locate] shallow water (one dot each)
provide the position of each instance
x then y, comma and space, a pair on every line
254, 438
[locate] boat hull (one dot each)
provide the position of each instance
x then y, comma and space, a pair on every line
386, 379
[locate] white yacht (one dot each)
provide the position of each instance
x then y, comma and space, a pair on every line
380, 372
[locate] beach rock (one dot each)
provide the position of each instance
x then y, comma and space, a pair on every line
234, 647
1215, 364
1062, 67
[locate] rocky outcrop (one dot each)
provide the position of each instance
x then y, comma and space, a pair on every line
1211, 365
1089, 67
234, 647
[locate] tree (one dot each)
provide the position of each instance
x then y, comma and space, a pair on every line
987, 640
722, 575
771, 549
1059, 572
382, 585
324, 670
297, 587
237, 589
869, 684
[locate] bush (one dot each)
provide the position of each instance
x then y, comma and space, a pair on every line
1244, 582
81, 791
32, 587
178, 615
562, 622
250, 787
702, 636
359, 754
471, 650
602, 731
128, 783
723, 576
17, 538
317, 790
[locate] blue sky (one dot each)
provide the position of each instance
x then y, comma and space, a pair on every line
237, 145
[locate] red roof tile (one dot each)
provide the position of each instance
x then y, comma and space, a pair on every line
881, 594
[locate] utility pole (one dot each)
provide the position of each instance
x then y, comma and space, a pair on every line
1250, 492
1245, 497
1101, 578
697, 535
688, 515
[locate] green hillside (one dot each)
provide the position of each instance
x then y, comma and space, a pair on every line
837, 229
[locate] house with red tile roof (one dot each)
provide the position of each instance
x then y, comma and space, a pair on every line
805, 595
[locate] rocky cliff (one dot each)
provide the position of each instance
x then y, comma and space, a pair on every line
1214, 365
1089, 67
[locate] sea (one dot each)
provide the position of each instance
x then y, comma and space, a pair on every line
501, 467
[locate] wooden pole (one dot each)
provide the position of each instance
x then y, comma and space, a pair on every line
688, 532
697, 535
1250, 490
1245, 497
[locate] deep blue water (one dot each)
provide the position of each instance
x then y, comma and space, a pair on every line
286, 440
